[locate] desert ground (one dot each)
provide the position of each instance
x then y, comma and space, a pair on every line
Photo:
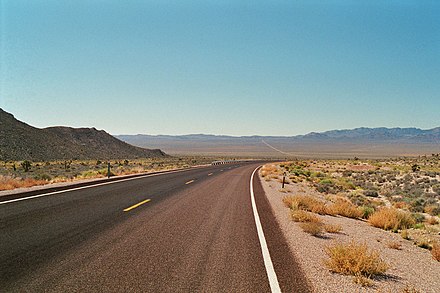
22, 174
361, 225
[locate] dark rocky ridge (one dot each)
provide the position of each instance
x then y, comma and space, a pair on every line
20, 141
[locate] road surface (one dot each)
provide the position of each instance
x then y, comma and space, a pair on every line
189, 231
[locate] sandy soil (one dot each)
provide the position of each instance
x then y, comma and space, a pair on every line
411, 267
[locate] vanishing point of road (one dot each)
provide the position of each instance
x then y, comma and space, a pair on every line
194, 230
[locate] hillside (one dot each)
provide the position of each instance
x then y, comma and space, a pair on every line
20, 141
361, 142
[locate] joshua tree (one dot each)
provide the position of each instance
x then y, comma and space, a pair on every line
26, 165
415, 168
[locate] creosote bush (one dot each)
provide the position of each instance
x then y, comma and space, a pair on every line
391, 219
354, 259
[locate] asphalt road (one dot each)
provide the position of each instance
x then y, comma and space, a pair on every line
189, 231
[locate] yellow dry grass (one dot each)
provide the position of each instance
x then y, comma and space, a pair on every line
304, 216
346, 209
304, 202
312, 228
332, 228
355, 259
9, 183
391, 219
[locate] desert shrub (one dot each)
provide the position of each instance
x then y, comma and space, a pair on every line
419, 218
417, 205
332, 228
313, 228
44, 176
419, 226
432, 209
327, 186
423, 243
366, 212
355, 259
436, 188
435, 251
391, 219
405, 235
304, 216
346, 209
371, 193
346, 184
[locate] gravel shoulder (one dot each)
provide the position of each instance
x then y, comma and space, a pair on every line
411, 267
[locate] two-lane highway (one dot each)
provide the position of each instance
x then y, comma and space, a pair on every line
185, 231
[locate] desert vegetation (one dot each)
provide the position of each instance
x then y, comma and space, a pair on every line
355, 259
16, 174
394, 195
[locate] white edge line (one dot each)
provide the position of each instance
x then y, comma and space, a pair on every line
271, 275
89, 186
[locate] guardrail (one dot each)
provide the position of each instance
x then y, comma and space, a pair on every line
228, 162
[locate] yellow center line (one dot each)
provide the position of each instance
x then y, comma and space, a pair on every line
136, 205
210, 174
189, 182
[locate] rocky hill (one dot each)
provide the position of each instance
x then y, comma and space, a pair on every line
20, 141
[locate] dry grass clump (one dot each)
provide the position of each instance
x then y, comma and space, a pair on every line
423, 243
346, 209
313, 228
405, 235
9, 183
435, 251
304, 216
391, 219
395, 245
332, 228
354, 259
268, 170
304, 202
432, 221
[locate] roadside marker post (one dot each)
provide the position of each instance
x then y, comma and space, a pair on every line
284, 179
108, 169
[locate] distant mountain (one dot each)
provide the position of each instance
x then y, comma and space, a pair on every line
20, 141
379, 134
367, 142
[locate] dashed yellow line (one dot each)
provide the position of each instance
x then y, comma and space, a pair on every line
189, 182
136, 205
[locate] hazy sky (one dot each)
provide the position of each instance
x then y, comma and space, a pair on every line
221, 67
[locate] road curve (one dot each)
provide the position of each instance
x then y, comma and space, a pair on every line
189, 231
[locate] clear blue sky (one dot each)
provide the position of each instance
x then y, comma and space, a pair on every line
221, 67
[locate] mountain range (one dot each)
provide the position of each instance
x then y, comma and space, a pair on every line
20, 141
363, 142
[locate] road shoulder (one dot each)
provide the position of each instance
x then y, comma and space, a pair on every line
290, 275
